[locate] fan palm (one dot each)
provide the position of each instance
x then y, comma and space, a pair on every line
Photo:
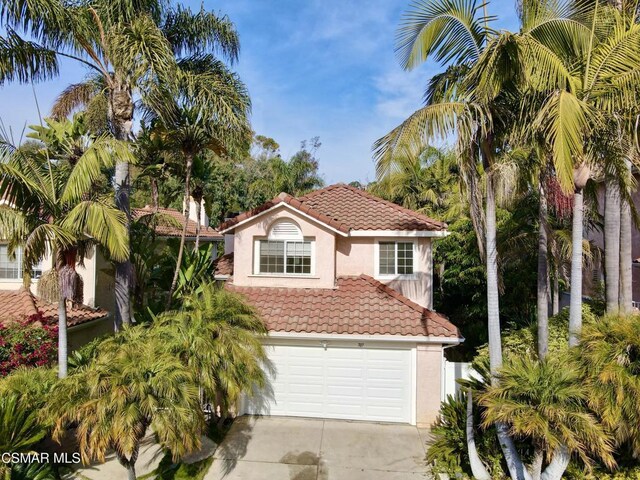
53, 204
132, 385
127, 46
217, 335
203, 109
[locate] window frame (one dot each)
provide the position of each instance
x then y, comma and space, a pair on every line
39, 268
298, 237
392, 276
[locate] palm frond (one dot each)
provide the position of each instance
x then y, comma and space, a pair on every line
102, 153
451, 30
564, 122
433, 121
102, 221
75, 96
22, 60
196, 33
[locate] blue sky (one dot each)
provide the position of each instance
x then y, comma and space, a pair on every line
313, 67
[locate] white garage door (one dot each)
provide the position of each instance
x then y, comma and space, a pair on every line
337, 382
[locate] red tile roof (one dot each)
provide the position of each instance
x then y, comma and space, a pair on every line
172, 227
358, 305
223, 266
20, 304
347, 208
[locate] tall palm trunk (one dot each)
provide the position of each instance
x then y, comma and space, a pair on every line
555, 302
626, 253
612, 244
478, 469
198, 202
155, 195
493, 305
121, 114
514, 463
575, 305
62, 337
543, 275
187, 196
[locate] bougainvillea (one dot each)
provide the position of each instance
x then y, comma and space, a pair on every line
30, 342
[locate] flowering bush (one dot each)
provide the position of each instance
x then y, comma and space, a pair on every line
29, 342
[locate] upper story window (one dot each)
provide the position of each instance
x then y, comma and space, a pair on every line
285, 251
11, 266
395, 258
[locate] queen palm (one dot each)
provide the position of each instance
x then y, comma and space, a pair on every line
582, 89
53, 204
458, 31
203, 109
126, 45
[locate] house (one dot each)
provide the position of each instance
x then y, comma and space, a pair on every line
97, 275
343, 282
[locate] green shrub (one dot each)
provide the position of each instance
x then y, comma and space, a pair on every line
448, 453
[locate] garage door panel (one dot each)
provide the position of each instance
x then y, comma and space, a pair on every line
339, 382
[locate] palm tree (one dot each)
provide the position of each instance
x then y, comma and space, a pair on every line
53, 204
205, 108
610, 366
217, 335
458, 31
132, 385
545, 401
127, 46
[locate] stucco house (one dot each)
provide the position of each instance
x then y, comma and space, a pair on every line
93, 318
343, 282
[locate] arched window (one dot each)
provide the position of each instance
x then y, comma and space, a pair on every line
285, 251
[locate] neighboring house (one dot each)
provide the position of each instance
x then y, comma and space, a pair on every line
343, 281
97, 275
592, 278
85, 323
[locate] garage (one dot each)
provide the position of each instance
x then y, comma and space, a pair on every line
340, 381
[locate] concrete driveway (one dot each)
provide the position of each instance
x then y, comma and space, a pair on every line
277, 448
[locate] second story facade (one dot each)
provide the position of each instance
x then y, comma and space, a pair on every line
338, 231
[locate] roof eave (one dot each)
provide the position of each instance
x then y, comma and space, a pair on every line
283, 205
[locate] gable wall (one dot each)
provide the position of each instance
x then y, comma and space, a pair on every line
258, 228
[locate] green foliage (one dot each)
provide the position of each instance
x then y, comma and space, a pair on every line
134, 383
196, 268
168, 470
522, 342
30, 385
546, 403
460, 283
448, 452
217, 335
609, 356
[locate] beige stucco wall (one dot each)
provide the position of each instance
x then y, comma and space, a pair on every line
258, 228
104, 296
83, 334
428, 383
88, 274
356, 255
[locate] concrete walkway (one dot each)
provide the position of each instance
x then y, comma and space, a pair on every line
278, 448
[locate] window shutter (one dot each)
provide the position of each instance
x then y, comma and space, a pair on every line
285, 229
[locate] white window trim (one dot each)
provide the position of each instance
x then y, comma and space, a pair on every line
403, 276
256, 259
